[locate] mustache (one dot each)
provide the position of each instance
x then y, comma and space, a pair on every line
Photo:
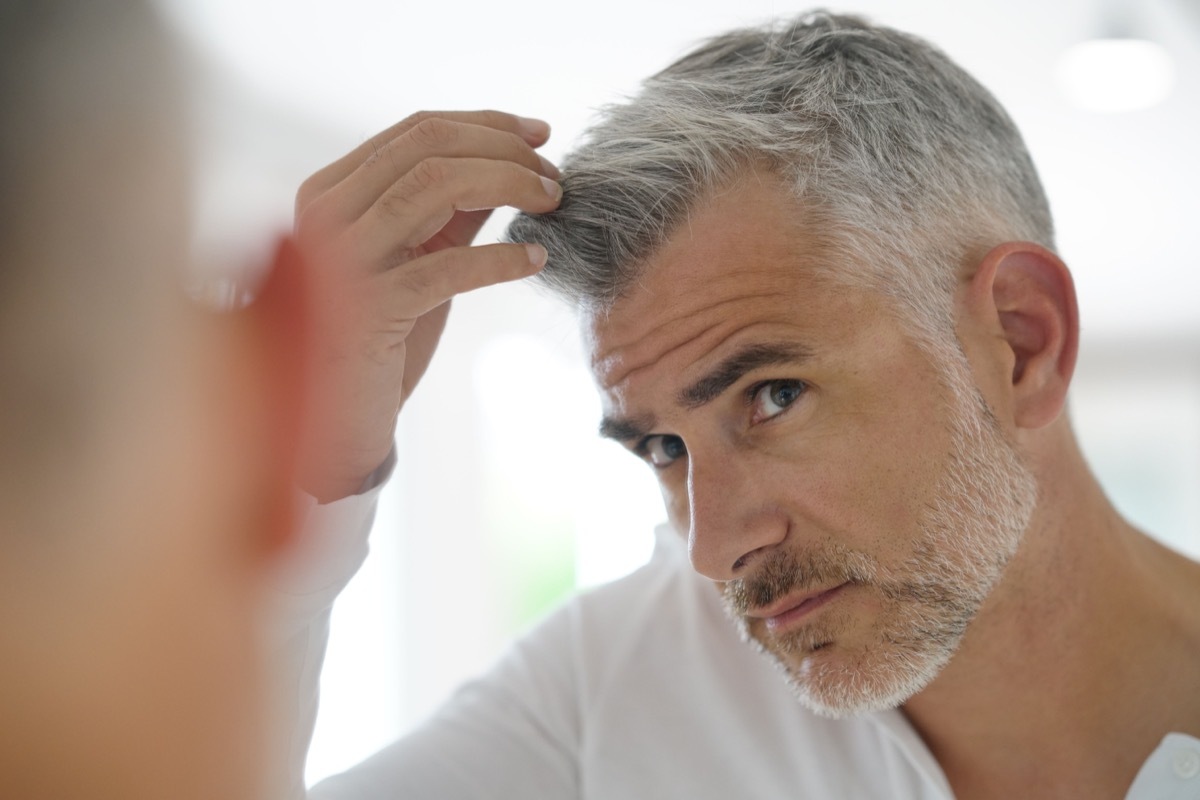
783, 572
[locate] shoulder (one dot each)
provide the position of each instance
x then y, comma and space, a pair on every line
604, 623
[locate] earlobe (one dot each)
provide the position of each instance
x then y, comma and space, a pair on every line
1033, 295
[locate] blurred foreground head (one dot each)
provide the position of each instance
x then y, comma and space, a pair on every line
142, 494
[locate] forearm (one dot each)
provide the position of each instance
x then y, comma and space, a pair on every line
332, 546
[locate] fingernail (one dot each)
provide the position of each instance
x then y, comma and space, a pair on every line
537, 254
534, 128
549, 168
552, 188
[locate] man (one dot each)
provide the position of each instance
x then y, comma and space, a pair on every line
148, 449
816, 273
148, 452
145, 475
141, 504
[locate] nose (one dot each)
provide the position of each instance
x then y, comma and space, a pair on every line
732, 516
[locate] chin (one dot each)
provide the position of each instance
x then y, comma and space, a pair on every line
833, 676
830, 684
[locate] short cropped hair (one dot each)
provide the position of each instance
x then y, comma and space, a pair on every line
899, 158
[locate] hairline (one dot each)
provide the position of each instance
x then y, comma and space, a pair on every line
831, 241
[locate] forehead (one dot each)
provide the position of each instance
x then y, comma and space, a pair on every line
744, 263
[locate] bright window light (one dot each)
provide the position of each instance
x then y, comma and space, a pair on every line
1116, 75
540, 413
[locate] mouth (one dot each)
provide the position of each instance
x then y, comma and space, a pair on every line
794, 609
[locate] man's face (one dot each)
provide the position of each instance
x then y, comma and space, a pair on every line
851, 495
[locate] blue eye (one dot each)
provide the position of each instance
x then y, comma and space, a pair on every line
772, 398
662, 449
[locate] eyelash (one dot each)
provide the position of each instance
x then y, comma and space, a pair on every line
642, 448
753, 391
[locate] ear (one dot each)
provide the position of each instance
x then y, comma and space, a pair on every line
1028, 294
278, 322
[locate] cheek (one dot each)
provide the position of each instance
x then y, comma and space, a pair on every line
673, 485
864, 479
880, 479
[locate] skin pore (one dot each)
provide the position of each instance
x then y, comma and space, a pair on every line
934, 514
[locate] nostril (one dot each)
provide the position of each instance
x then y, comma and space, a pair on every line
741, 562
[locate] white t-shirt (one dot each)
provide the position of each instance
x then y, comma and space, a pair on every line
640, 689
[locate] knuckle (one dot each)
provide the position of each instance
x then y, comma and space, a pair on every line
429, 173
520, 150
413, 120
496, 119
313, 218
414, 281
418, 191
518, 175
434, 133
377, 147
397, 202
308, 192
516, 142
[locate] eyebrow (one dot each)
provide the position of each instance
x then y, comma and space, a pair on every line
746, 359
626, 429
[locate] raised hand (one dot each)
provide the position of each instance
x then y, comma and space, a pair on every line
386, 233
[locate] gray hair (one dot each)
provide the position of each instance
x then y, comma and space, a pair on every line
900, 159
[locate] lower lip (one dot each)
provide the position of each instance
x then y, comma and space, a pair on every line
782, 621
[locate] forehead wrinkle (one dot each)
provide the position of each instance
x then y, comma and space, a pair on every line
623, 361
751, 356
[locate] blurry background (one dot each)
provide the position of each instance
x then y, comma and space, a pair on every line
505, 499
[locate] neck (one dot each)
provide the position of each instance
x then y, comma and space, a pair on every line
1082, 659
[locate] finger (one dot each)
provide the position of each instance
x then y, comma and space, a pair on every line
459, 231
534, 132
432, 137
421, 203
425, 283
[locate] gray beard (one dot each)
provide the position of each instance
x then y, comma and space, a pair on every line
983, 502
